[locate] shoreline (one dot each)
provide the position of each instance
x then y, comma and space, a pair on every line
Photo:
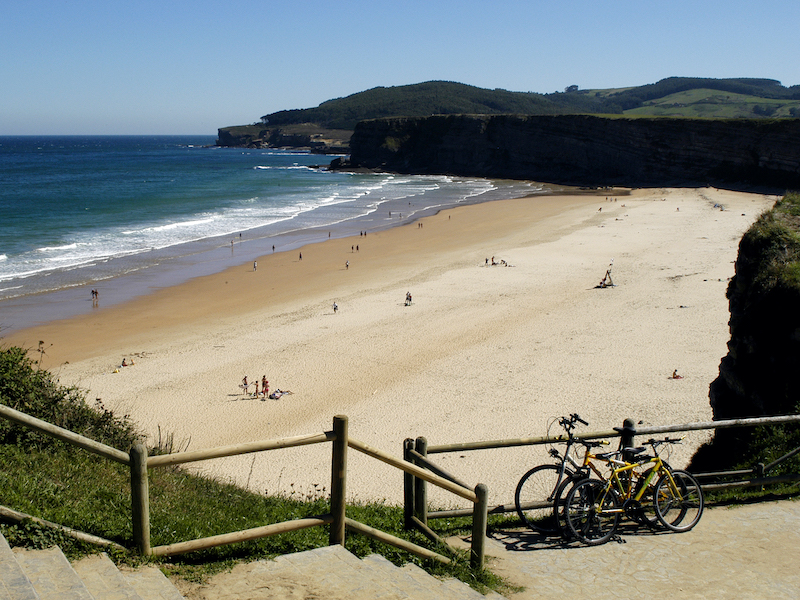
139, 274
483, 352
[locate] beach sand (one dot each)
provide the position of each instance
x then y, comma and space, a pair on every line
484, 352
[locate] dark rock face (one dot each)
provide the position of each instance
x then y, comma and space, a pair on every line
759, 375
584, 149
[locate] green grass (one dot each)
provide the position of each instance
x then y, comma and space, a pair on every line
59, 483
704, 102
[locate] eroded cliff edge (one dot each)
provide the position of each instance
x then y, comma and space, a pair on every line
760, 375
584, 149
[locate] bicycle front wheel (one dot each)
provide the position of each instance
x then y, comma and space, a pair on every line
560, 502
592, 511
678, 501
534, 497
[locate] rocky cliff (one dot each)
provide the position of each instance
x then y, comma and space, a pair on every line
584, 149
759, 375
304, 136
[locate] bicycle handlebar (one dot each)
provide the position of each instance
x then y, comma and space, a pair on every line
576, 417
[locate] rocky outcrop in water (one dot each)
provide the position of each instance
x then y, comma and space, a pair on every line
302, 137
584, 149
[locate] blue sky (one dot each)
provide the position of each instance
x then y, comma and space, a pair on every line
178, 67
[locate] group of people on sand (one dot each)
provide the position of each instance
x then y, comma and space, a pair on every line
502, 263
263, 391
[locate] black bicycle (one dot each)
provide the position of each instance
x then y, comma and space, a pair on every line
537, 489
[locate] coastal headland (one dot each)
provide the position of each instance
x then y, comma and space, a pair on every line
483, 352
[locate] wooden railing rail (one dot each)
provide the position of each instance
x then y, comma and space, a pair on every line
139, 462
240, 536
507, 443
178, 458
64, 435
419, 472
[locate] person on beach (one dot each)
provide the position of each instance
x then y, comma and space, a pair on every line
255, 265
245, 385
256, 394
675, 375
347, 265
408, 298
335, 308
264, 386
301, 256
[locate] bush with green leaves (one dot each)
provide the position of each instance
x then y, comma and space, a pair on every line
34, 391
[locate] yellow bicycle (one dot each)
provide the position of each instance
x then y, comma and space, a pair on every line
593, 507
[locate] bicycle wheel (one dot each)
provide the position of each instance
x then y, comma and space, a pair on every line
592, 511
560, 502
534, 497
678, 501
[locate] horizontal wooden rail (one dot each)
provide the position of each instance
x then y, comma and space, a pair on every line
240, 536
13, 515
434, 468
640, 431
413, 470
498, 509
65, 435
397, 542
510, 443
749, 482
236, 449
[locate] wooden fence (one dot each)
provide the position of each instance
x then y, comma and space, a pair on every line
418, 451
139, 463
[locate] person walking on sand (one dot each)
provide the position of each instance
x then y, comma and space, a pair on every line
245, 385
335, 308
264, 385
347, 265
301, 256
255, 265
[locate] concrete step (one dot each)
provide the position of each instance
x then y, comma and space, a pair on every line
14, 583
151, 584
52, 576
331, 572
103, 580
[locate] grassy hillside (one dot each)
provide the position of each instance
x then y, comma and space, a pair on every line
703, 102
437, 97
674, 96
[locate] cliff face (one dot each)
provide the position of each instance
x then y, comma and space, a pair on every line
759, 375
584, 149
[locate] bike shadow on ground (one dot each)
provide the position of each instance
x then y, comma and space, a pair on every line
527, 540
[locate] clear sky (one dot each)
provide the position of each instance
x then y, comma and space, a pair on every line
186, 67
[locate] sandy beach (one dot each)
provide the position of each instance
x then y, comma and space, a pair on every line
484, 352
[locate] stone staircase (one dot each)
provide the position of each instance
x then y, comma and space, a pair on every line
47, 574
333, 573
330, 572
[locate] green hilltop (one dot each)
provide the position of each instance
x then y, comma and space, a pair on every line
335, 119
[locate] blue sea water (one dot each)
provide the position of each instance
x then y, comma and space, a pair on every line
150, 211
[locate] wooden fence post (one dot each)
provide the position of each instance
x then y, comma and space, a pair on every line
338, 480
408, 486
480, 516
140, 498
421, 486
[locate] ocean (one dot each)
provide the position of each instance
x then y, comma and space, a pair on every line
129, 214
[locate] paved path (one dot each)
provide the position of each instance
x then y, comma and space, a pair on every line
740, 552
